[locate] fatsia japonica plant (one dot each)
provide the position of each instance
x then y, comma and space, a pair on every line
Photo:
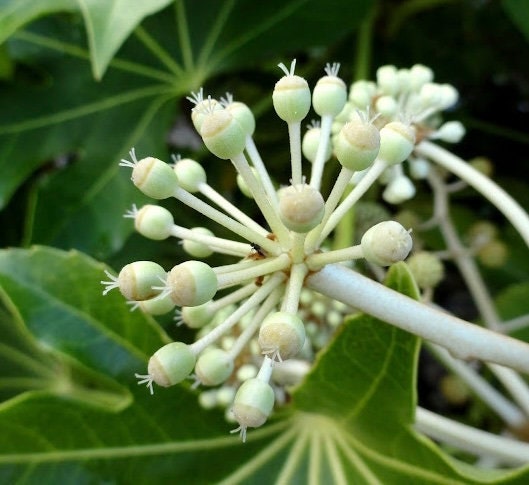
275, 335
253, 340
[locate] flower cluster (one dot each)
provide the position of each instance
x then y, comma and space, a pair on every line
258, 326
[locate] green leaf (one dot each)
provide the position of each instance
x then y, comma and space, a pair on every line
16, 13
109, 23
350, 421
519, 14
66, 133
58, 297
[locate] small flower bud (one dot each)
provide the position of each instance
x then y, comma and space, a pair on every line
388, 79
137, 279
330, 93
159, 305
154, 178
420, 75
282, 334
481, 233
450, 132
357, 145
171, 364
196, 316
213, 367
362, 93
419, 168
243, 187
291, 97
190, 174
493, 254
154, 222
399, 190
301, 207
253, 403
222, 134
192, 283
396, 142
311, 142
243, 114
426, 268
198, 249
387, 106
386, 243
200, 111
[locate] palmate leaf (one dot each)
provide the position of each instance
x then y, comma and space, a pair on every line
350, 421
59, 113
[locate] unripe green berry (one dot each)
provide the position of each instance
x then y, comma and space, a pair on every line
160, 305
223, 135
282, 334
493, 254
192, 283
399, 190
397, 141
301, 207
311, 142
362, 93
243, 114
191, 175
386, 243
481, 233
291, 98
387, 106
426, 268
213, 367
388, 79
154, 222
243, 187
253, 403
329, 96
483, 165
200, 111
196, 316
198, 249
171, 364
136, 280
357, 145
154, 178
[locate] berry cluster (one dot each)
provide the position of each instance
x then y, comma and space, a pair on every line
258, 326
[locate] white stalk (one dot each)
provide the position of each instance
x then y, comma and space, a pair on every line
515, 324
234, 297
270, 214
482, 388
319, 161
332, 201
260, 294
467, 438
294, 286
294, 135
257, 319
264, 176
359, 190
245, 232
476, 286
491, 191
236, 277
460, 338
233, 247
317, 260
229, 208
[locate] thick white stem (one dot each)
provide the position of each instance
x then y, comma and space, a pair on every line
294, 135
258, 164
503, 201
460, 338
508, 451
